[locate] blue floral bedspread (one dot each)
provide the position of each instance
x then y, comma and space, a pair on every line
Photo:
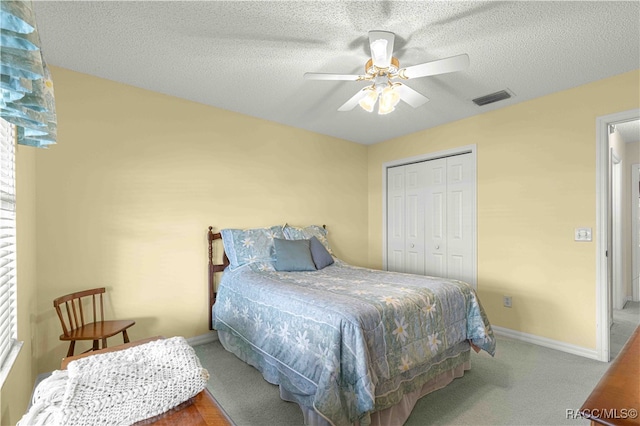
345, 340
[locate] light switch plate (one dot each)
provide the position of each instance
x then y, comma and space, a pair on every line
583, 234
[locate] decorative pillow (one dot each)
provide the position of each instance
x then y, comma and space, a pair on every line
319, 254
293, 255
295, 233
246, 246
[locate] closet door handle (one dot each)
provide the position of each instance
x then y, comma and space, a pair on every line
412, 245
437, 246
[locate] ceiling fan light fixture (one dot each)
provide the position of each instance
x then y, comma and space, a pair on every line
389, 98
382, 69
383, 110
369, 101
391, 95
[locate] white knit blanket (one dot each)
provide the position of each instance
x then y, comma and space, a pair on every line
119, 388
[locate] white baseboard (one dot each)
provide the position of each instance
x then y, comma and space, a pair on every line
547, 343
211, 336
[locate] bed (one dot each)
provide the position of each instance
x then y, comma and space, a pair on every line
350, 345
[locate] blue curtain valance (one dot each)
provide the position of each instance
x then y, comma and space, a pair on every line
25, 81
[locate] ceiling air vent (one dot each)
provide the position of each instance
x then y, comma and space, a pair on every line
491, 98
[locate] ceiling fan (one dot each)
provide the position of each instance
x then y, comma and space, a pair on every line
382, 68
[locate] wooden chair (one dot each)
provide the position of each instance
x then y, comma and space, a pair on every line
77, 329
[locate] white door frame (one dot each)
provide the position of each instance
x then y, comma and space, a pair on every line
635, 253
616, 238
467, 149
601, 231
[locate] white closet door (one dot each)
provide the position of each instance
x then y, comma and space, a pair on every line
414, 184
395, 219
431, 217
461, 176
436, 218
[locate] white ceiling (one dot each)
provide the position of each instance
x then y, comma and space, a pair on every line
630, 130
250, 56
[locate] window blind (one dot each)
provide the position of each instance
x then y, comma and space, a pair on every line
8, 329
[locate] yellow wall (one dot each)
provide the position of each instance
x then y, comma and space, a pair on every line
536, 183
14, 395
125, 198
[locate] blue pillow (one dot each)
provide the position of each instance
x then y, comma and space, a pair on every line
295, 233
319, 254
293, 255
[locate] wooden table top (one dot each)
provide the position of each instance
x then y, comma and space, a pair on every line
617, 394
201, 410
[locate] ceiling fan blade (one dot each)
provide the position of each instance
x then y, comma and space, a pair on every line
324, 76
351, 103
410, 96
441, 66
381, 44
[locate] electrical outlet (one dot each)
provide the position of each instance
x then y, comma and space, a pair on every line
506, 301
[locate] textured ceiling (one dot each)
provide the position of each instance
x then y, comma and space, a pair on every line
630, 131
250, 57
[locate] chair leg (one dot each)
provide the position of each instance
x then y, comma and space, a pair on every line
72, 346
104, 343
125, 336
95, 345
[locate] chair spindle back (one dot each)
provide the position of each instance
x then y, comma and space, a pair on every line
74, 311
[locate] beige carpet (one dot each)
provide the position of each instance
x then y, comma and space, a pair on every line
524, 384
625, 321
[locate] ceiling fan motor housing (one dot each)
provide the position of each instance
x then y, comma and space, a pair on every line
371, 69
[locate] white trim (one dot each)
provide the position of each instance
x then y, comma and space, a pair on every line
601, 233
11, 358
616, 238
202, 339
430, 156
635, 259
547, 343
614, 156
467, 149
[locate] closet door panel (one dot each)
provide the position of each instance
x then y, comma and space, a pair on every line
395, 219
436, 217
461, 176
414, 218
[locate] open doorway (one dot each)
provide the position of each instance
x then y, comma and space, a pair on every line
614, 246
635, 229
626, 308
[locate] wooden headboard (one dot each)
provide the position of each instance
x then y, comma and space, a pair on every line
213, 268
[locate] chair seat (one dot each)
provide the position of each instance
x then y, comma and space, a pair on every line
98, 330
71, 310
